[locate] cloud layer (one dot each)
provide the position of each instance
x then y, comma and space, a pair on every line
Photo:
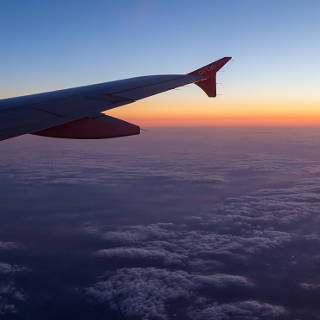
218, 224
220, 264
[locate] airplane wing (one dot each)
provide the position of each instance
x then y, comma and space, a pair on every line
77, 112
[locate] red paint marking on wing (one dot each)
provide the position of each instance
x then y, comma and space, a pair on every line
211, 68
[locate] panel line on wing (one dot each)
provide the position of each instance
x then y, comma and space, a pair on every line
49, 112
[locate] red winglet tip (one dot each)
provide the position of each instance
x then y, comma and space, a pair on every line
211, 68
208, 76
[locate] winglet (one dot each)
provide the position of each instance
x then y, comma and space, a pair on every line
208, 74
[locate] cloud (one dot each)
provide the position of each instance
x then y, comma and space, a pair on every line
6, 268
223, 255
202, 265
156, 256
133, 234
244, 310
226, 234
171, 244
210, 251
9, 297
235, 247
310, 286
222, 281
144, 292
4, 245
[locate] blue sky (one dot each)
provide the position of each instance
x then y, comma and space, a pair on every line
55, 44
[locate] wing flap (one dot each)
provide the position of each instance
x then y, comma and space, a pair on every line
92, 128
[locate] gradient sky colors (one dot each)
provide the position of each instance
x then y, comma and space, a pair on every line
273, 78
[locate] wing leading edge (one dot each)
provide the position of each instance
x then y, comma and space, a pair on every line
76, 112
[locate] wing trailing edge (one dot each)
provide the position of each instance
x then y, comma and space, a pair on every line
208, 83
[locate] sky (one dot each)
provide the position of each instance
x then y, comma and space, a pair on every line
178, 222
273, 78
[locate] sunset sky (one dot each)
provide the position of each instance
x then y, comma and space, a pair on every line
273, 78
212, 212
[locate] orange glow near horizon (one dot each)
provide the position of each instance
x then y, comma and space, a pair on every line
157, 112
